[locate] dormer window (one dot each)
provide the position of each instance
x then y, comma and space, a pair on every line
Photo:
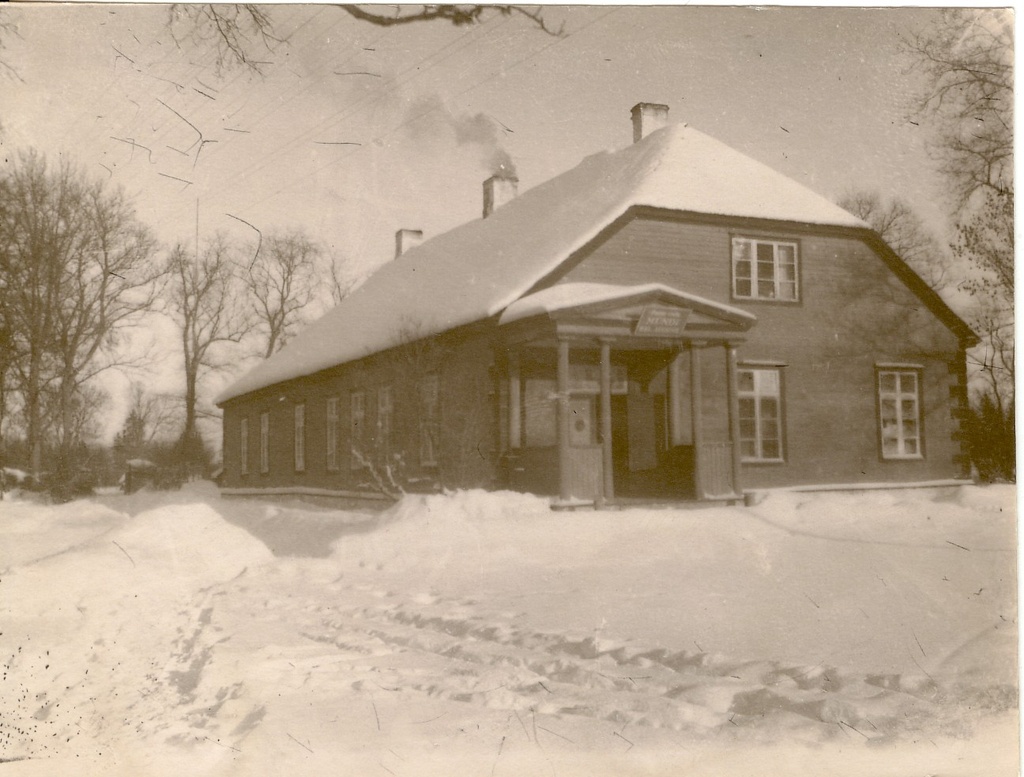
764, 270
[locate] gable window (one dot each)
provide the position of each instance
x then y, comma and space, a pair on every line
899, 413
243, 446
300, 438
357, 429
430, 420
264, 442
385, 407
760, 400
332, 433
764, 269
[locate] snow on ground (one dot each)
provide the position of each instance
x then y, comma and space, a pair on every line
482, 634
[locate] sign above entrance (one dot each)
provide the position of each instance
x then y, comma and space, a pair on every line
662, 321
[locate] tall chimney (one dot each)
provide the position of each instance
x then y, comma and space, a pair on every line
499, 189
648, 117
406, 239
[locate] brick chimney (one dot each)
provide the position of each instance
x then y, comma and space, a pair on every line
499, 189
648, 117
406, 239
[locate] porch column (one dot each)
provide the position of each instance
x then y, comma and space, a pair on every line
515, 422
564, 454
675, 392
606, 420
734, 416
696, 416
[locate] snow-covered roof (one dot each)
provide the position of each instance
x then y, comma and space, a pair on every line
475, 271
565, 296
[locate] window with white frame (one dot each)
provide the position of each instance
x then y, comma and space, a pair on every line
430, 420
264, 442
760, 405
899, 413
300, 438
243, 446
385, 408
357, 429
764, 269
332, 433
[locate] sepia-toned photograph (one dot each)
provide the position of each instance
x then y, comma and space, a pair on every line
499, 390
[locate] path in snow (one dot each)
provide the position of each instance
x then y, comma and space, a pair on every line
174, 641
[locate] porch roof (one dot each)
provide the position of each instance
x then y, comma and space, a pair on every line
569, 296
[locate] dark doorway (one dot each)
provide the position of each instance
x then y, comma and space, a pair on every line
645, 463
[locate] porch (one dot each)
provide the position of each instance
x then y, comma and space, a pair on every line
613, 394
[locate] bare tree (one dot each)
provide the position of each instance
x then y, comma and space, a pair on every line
77, 269
967, 60
244, 34
150, 417
109, 286
459, 15
8, 30
283, 280
340, 284
966, 57
203, 301
232, 29
904, 231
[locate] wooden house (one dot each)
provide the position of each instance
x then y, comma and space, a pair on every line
672, 320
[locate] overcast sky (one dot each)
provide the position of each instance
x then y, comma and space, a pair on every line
819, 94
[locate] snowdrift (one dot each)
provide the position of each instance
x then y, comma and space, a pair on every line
480, 633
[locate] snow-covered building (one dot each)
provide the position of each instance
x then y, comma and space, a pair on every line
673, 320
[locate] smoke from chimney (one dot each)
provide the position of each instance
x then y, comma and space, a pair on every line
502, 165
428, 115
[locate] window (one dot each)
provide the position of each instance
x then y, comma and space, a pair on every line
332, 433
540, 425
243, 446
357, 429
899, 415
300, 438
384, 410
430, 420
760, 399
264, 442
764, 269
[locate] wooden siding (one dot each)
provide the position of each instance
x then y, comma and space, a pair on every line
468, 440
853, 312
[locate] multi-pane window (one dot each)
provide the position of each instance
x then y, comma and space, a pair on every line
243, 446
760, 400
764, 269
899, 413
264, 442
430, 420
332, 433
385, 407
300, 438
357, 429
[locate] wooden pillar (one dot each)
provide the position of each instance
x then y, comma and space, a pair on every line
696, 415
675, 392
606, 421
734, 416
515, 421
564, 453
